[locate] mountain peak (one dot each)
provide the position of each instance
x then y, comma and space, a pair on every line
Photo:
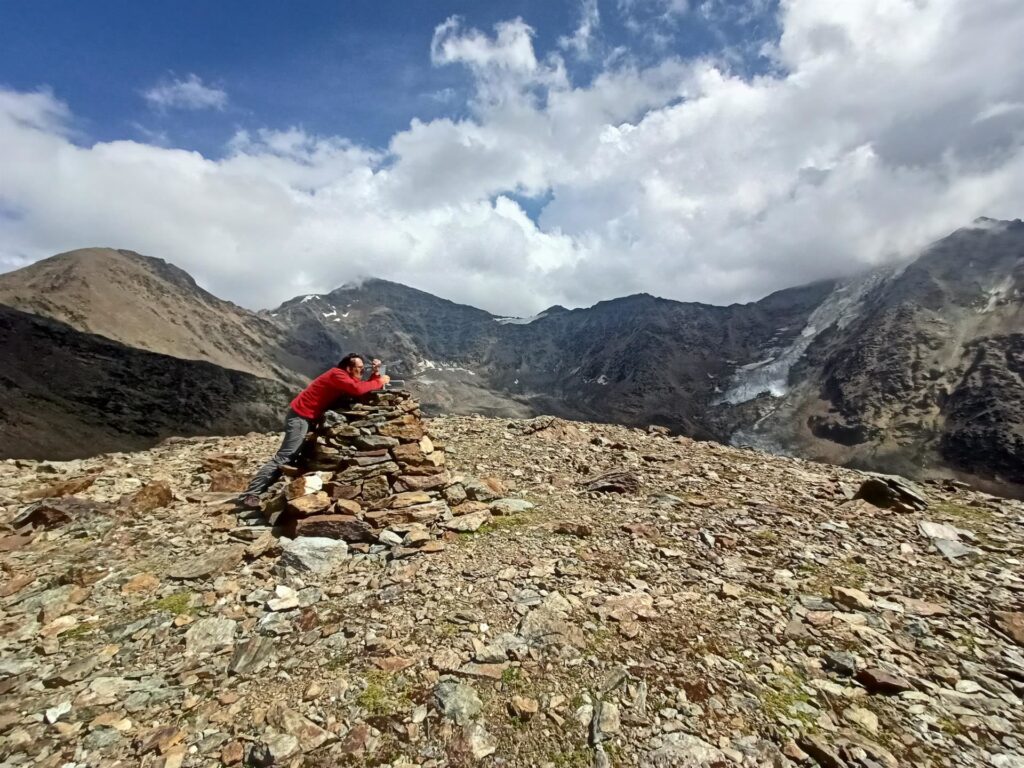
144, 302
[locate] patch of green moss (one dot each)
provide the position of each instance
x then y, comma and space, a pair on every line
383, 695
511, 676
80, 631
950, 726
178, 603
781, 699
580, 757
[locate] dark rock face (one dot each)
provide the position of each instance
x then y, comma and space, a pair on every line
928, 372
915, 370
66, 394
634, 360
984, 430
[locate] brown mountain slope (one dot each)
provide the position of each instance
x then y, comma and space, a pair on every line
66, 394
149, 304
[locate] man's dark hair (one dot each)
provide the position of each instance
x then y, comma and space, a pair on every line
346, 361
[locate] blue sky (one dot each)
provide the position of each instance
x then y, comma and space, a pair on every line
361, 70
508, 155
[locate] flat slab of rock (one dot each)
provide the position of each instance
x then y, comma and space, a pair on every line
309, 504
467, 523
683, 749
880, 681
252, 655
1010, 623
209, 634
212, 563
510, 506
345, 527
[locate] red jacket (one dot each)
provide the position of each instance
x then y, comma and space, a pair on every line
314, 400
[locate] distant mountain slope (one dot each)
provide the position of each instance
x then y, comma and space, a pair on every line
633, 360
925, 367
66, 394
915, 369
149, 304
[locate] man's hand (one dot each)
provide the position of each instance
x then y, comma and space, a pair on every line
385, 379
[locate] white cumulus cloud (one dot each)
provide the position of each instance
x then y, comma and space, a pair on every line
879, 126
187, 93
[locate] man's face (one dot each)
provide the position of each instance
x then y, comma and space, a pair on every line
356, 367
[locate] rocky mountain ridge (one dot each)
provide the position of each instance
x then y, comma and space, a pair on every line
149, 304
915, 368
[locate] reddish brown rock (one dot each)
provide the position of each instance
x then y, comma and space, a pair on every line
228, 481
422, 482
311, 504
142, 583
153, 495
922, 607
410, 453
1010, 623
68, 487
347, 507
879, 681
580, 530
15, 542
53, 513
495, 484
484, 671
341, 490
232, 753
407, 499
15, 585
345, 527
469, 507
407, 433
304, 485
361, 474
355, 740
393, 663
375, 488
214, 462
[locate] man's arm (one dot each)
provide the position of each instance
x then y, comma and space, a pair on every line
346, 385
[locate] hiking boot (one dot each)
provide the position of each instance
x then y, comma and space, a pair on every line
250, 501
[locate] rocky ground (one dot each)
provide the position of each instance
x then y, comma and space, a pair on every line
709, 606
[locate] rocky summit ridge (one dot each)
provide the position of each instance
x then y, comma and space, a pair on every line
628, 598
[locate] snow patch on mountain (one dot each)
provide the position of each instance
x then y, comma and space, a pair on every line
771, 374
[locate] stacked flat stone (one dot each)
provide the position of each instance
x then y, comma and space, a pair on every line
375, 478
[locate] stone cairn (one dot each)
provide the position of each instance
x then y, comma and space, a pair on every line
375, 478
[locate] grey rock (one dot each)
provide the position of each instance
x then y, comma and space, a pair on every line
467, 523
210, 563
457, 701
480, 742
251, 656
476, 490
209, 634
313, 554
682, 750
841, 662
510, 506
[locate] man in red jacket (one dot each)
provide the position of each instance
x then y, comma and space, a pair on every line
344, 380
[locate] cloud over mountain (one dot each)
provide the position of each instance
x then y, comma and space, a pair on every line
876, 126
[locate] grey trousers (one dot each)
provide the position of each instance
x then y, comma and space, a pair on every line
295, 429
